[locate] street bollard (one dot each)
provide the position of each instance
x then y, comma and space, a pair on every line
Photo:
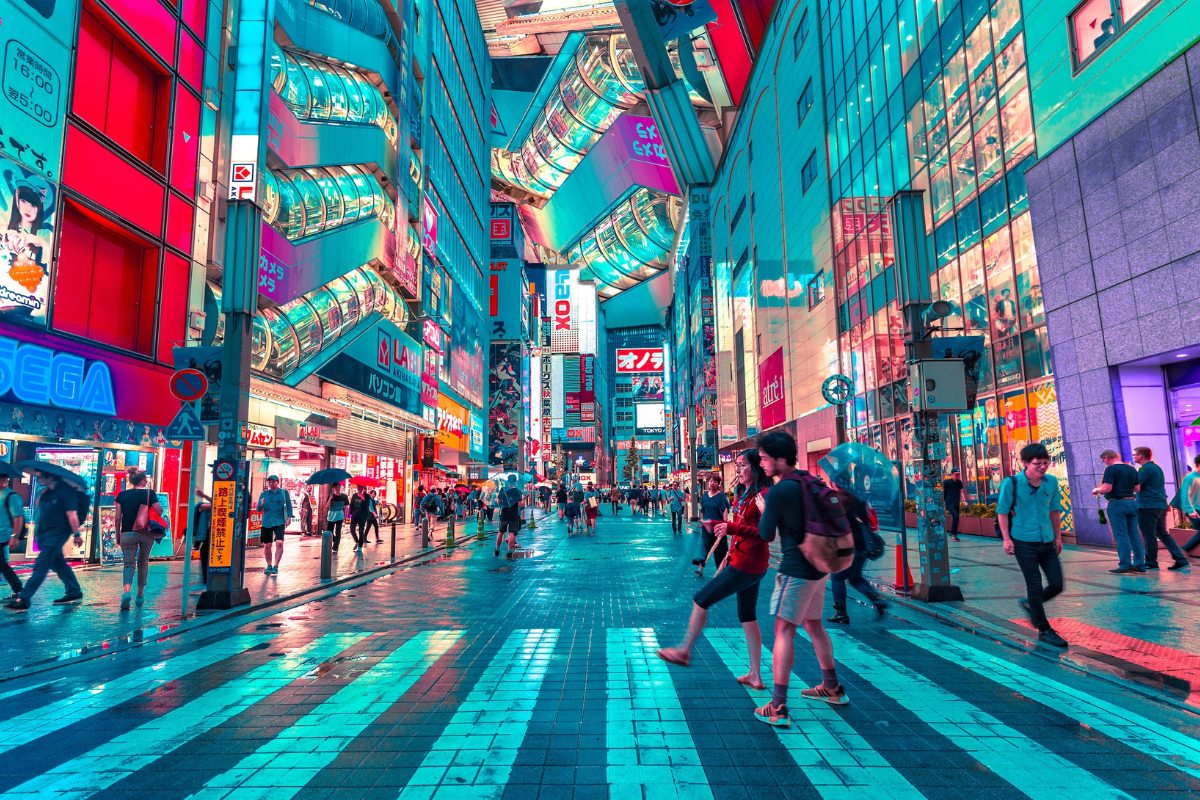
393, 555
450, 521
326, 555
424, 532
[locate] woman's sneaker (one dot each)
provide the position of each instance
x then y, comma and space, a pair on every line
773, 715
835, 697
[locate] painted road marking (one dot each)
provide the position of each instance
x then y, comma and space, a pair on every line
103, 766
1170, 747
30, 688
475, 753
1027, 765
833, 756
88, 702
281, 767
649, 744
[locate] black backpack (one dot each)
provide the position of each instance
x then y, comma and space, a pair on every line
430, 503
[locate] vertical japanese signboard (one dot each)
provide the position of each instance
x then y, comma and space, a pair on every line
220, 551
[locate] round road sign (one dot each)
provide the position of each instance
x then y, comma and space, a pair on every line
224, 471
188, 385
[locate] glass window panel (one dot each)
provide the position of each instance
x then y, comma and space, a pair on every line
328, 312
356, 107
304, 322
1131, 8
974, 300
332, 195
910, 46
993, 207
1002, 300
954, 78
1093, 26
1017, 120
1029, 282
943, 194
983, 89
310, 195
979, 47
1008, 356
1011, 59
283, 349
317, 87
945, 242
934, 102
915, 130
1006, 14
938, 137
878, 79
900, 158
987, 151
948, 289
997, 253
962, 167
927, 15
891, 56
1036, 349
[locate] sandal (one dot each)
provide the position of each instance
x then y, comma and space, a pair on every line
680, 662
744, 680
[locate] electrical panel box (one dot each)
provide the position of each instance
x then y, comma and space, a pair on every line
938, 384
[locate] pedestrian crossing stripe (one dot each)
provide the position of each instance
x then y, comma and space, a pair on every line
88, 702
118, 758
1145, 736
284, 764
474, 755
1038, 772
834, 757
649, 744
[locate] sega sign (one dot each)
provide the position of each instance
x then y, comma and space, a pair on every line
639, 359
39, 375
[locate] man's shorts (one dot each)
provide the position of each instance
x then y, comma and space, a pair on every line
796, 600
271, 533
510, 526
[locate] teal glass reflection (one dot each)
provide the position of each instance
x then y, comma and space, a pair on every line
304, 202
319, 90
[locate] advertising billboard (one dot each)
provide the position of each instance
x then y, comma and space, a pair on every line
649, 419
504, 404
572, 307
557, 392
383, 363
466, 350
648, 387
771, 386
29, 203
639, 359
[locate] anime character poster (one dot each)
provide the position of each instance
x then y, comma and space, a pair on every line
28, 203
504, 403
466, 350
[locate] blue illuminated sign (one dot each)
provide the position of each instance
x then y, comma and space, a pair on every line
39, 375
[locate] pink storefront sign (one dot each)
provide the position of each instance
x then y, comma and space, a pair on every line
771, 387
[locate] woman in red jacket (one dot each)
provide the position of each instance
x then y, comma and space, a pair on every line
740, 574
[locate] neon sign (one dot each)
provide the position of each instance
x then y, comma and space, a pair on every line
35, 374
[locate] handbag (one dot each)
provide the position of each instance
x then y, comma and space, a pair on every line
141, 523
157, 526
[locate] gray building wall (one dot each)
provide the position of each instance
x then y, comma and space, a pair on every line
1116, 223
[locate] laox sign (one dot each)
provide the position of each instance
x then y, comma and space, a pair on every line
562, 300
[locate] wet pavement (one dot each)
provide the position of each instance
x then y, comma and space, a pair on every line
474, 676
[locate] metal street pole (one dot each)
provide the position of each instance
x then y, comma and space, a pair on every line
694, 505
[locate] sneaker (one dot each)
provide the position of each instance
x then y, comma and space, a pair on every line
126, 599
14, 596
1122, 571
66, 601
496, 552
509, 555
773, 715
1051, 638
1149, 567
1180, 565
835, 697
17, 605
140, 601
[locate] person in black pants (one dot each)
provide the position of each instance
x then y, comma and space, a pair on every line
1152, 511
360, 515
952, 492
372, 517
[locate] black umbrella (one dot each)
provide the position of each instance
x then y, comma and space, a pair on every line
55, 470
7, 470
323, 477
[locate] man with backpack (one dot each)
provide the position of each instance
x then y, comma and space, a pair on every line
1029, 512
61, 509
509, 500
431, 507
799, 596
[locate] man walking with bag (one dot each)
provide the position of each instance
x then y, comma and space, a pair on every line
799, 596
1118, 485
12, 522
57, 521
1152, 511
509, 500
1029, 513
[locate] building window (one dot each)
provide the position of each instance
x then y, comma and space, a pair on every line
804, 103
1095, 23
737, 215
816, 290
801, 34
809, 173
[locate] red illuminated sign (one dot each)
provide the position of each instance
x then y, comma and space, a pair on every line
639, 359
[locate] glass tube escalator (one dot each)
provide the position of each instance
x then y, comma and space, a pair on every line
300, 203
317, 90
630, 244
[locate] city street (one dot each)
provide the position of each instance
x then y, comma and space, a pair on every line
466, 675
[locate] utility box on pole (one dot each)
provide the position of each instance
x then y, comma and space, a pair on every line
938, 384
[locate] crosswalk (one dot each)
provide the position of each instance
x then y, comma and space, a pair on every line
659, 737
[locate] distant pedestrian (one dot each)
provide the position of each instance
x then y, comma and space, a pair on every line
57, 509
306, 513
135, 504
12, 524
372, 516
1118, 485
276, 507
1152, 511
675, 500
799, 595
509, 500
952, 489
360, 514
201, 528
614, 496
1189, 499
336, 516
560, 497
713, 507
1029, 512
591, 508
748, 559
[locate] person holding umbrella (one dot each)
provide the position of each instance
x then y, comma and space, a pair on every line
57, 521
12, 522
338, 501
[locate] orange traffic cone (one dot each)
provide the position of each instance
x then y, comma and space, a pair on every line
904, 579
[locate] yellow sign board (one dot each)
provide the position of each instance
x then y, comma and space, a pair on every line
220, 549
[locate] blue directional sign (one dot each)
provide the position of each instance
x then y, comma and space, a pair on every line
186, 426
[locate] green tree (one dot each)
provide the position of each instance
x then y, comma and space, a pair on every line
633, 462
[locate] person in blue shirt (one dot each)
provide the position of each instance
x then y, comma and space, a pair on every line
12, 523
1189, 502
1029, 512
1152, 510
276, 507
